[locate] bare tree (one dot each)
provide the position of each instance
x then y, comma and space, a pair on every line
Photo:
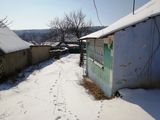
77, 23
73, 23
4, 22
60, 26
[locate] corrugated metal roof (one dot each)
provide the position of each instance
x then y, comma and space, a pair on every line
152, 8
10, 42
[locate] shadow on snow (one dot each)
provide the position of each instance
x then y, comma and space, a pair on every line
148, 100
23, 75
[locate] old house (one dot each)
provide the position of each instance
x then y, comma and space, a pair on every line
13, 52
127, 53
16, 54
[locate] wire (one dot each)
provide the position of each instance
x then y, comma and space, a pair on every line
97, 13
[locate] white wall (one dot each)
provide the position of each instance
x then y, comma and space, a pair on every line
132, 50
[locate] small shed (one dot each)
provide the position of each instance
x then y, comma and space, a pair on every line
127, 53
13, 52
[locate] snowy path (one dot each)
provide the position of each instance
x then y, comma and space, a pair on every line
53, 93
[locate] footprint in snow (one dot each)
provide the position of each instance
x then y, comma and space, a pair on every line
57, 118
19, 102
25, 112
54, 96
99, 112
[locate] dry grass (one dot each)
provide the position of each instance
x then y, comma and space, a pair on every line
93, 89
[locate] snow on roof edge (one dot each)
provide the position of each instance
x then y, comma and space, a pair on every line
146, 18
11, 42
148, 10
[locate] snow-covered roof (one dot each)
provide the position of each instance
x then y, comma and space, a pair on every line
152, 8
10, 42
73, 45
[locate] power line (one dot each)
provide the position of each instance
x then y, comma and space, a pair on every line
97, 13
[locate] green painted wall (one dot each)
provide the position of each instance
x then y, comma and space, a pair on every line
101, 75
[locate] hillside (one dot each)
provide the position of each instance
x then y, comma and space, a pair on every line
38, 36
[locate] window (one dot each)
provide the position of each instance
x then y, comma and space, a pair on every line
91, 49
99, 51
96, 50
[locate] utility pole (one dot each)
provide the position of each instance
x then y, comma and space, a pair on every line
134, 2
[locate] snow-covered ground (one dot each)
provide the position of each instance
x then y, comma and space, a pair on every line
51, 91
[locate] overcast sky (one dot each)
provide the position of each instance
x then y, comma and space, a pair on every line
36, 14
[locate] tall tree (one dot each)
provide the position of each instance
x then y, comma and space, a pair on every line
4, 22
73, 23
77, 23
60, 26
